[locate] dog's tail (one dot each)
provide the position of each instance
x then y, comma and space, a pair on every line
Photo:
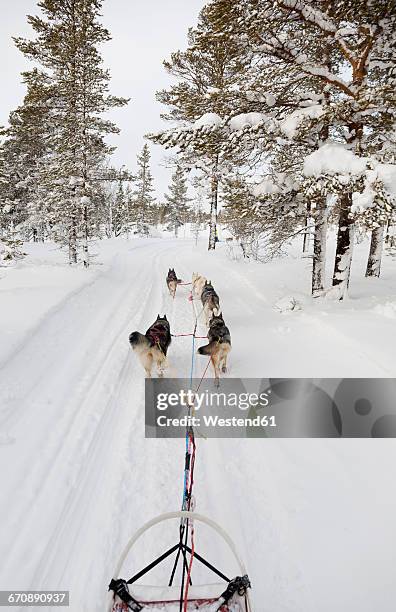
208, 348
136, 338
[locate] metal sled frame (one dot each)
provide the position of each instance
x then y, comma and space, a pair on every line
179, 548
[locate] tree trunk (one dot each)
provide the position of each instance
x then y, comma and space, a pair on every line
390, 235
343, 259
319, 248
375, 255
307, 235
85, 244
213, 209
73, 243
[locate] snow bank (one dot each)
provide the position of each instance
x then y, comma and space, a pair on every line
333, 158
387, 309
208, 119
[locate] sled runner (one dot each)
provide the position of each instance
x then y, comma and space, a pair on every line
228, 596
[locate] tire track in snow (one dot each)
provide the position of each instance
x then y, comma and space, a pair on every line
72, 450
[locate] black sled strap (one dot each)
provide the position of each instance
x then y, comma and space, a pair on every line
120, 588
239, 585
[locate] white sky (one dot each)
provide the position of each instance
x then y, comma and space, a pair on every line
144, 33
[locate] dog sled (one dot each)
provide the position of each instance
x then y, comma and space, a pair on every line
231, 595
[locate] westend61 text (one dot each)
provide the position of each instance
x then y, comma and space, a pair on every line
216, 421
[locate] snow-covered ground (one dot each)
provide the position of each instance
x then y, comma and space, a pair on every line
314, 519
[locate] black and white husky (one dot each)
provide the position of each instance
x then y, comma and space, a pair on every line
210, 301
172, 281
219, 344
153, 345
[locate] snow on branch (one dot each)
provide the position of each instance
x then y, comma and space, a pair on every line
333, 158
286, 51
310, 14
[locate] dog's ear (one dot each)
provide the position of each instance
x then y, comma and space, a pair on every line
164, 317
158, 317
221, 316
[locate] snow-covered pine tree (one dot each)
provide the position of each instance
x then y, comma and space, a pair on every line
144, 203
207, 73
264, 92
23, 150
119, 209
177, 201
68, 36
300, 37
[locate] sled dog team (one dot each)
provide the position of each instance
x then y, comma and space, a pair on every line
152, 346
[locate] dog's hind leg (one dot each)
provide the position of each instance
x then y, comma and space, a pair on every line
224, 356
216, 363
147, 362
223, 364
161, 363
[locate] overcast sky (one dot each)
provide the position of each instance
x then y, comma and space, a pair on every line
144, 32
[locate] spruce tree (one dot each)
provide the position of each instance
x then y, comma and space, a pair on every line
207, 74
144, 203
68, 36
177, 201
24, 149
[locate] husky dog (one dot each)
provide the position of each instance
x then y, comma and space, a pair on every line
198, 283
210, 301
153, 345
219, 345
172, 281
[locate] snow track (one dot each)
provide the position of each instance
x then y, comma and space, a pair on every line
81, 478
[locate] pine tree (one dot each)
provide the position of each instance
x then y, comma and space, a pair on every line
144, 202
207, 73
319, 42
66, 45
177, 201
22, 152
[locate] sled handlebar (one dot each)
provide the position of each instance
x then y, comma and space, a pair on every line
175, 515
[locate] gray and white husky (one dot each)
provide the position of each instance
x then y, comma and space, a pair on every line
152, 347
219, 345
210, 301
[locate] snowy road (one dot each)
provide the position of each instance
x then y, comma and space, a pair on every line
314, 519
